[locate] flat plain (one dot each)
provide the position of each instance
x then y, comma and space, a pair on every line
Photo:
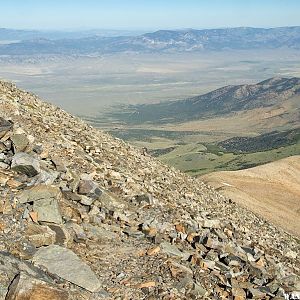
92, 86
88, 85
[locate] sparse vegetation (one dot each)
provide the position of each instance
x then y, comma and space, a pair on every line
264, 142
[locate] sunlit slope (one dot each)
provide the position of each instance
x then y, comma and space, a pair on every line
271, 190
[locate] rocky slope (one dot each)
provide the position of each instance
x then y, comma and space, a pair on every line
87, 216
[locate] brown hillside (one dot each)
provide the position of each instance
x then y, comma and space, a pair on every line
271, 190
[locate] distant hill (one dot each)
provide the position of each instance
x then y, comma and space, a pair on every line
226, 100
272, 190
160, 41
263, 142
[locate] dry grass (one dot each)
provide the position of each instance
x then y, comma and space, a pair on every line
271, 190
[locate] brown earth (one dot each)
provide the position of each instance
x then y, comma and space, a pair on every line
271, 191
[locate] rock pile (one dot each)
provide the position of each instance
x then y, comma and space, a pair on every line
87, 216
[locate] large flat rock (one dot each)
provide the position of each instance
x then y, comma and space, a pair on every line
67, 265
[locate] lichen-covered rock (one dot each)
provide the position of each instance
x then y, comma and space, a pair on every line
47, 210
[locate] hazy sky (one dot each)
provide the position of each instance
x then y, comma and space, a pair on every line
147, 14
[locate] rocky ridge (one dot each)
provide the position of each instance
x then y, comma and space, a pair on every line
84, 215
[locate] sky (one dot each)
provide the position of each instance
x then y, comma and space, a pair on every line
147, 14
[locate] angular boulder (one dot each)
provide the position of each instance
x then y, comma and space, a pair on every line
48, 210
213, 224
89, 188
26, 164
5, 126
67, 265
45, 202
24, 287
20, 142
40, 235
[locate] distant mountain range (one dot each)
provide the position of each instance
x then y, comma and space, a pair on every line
220, 102
88, 43
7, 34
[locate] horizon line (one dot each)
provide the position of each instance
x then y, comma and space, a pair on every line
77, 29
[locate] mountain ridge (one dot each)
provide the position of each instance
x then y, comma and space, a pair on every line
225, 100
191, 40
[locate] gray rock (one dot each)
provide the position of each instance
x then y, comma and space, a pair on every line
4, 166
132, 232
67, 265
212, 243
39, 192
20, 142
48, 210
170, 249
89, 188
46, 177
256, 293
98, 233
71, 196
10, 267
25, 164
198, 291
59, 164
77, 232
144, 198
110, 202
45, 202
206, 263
86, 200
5, 126
222, 267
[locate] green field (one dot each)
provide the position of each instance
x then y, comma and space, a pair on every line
202, 162
198, 153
